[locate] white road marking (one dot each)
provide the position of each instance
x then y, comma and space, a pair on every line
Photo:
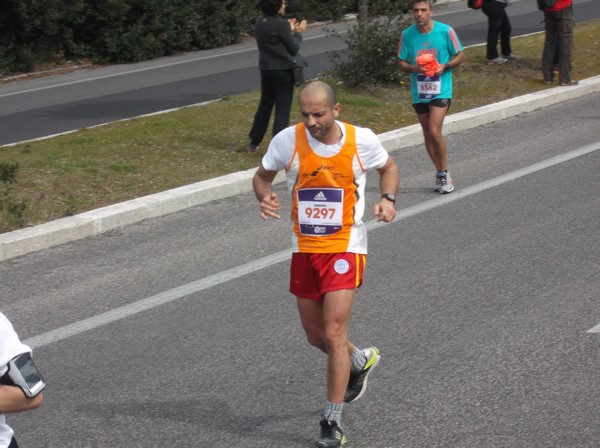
150, 68
163, 298
128, 72
596, 329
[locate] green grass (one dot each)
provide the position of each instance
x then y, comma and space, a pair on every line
95, 167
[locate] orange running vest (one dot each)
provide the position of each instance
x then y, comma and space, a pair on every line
324, 195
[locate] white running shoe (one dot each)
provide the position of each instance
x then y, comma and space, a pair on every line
497, 61
446, 185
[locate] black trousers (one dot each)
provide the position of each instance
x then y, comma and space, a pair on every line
276, 90
559, 42
13, 443
498, 25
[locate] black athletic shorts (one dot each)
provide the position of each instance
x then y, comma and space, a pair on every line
423, 108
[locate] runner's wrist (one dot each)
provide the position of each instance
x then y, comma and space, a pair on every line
388, 197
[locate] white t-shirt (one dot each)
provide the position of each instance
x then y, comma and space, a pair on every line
371, 153
10, 346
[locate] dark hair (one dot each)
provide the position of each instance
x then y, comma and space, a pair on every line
430, 2
270, 7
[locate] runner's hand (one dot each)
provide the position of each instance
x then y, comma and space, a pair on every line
269, 207
441, 69
385, 211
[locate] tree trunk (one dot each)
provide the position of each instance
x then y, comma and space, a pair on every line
363, 10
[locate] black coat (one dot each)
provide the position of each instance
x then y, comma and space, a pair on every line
278, 45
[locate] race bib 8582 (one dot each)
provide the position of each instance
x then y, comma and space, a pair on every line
427, 87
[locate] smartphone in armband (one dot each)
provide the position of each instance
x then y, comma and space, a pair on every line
23, 373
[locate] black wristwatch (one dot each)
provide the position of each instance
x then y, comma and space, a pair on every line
390, 197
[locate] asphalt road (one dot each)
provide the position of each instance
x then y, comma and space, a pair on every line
178, 331
55, 104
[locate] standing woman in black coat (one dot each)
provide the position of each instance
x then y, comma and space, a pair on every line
278, 42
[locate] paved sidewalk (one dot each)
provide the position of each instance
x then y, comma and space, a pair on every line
94, 222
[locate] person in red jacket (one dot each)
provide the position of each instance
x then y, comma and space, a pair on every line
558, 23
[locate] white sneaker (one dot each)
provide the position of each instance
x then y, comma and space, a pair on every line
497, 61
446, 185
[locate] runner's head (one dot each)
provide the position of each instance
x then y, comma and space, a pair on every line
319, 109
422, 11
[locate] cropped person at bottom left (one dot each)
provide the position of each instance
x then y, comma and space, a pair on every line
12, 398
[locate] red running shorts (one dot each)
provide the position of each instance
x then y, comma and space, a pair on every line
314, 275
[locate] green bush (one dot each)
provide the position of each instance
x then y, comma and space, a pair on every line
114, 31
39, 31
135, 30
29, 33
11, 208
372, 53
312, 10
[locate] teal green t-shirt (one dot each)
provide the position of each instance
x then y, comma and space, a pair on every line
443, 43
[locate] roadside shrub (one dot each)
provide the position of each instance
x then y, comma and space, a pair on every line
135, 30
11, 209
28, 34
41, 31
222, 23
372, 53
314, 10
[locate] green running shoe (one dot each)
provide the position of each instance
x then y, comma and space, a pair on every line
358, 381
332, 435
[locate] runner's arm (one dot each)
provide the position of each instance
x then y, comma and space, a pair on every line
269, 202
452, 63
407, 67
12, 399
388, 183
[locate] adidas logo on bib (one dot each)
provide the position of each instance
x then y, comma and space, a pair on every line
320, 196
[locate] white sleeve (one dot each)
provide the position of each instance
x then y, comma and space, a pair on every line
280, 151
10, 345
371, 152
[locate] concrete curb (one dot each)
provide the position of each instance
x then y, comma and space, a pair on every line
95, 222
411, 135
